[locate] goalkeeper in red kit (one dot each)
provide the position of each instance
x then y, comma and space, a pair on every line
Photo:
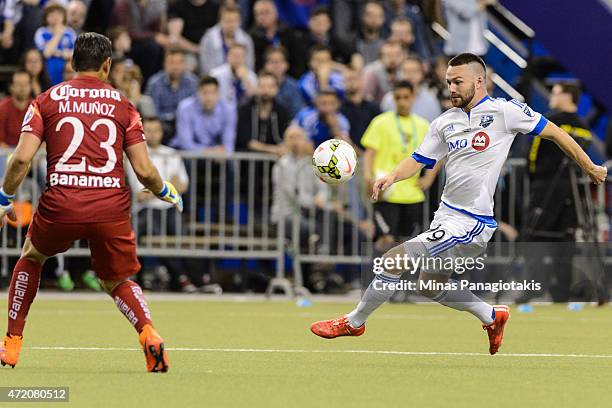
86, 125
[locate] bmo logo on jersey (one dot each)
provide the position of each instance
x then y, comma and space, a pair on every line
457, 144
480, 141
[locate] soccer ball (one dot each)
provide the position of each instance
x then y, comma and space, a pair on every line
334, 161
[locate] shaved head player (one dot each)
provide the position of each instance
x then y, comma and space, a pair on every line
87, 125
474, 137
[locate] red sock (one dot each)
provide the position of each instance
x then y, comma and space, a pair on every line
131, 302
24, 285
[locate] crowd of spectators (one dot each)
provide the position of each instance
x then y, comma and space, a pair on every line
269, 76
165, 52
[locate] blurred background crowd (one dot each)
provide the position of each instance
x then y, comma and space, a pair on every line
278, 77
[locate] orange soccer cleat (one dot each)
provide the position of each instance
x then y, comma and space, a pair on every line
9, 354
496, 329
153, 346
330, 329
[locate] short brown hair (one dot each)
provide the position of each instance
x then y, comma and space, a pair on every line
115, 32
572, 89
264, 73
208, 80
50, 8
90, 52
229, 8
276, 49
467, 58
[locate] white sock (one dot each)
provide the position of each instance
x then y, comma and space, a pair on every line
374, 296
466, 301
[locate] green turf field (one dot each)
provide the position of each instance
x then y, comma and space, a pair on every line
261, 354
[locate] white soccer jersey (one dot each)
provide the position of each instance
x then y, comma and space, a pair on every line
476, 144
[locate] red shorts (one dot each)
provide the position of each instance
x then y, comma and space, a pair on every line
112, 244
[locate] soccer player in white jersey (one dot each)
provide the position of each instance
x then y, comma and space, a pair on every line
474, 136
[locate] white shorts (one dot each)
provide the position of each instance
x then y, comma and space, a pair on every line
453, 235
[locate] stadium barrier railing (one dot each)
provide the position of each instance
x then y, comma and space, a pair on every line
228, 215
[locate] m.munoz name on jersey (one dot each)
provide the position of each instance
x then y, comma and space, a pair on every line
63, 93
89, 108
56, 179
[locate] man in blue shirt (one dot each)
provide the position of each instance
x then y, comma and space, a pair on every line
324, 121
204, 122
170, 86
289, 94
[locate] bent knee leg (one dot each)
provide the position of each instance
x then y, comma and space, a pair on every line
404, 257
30, 252
110, 285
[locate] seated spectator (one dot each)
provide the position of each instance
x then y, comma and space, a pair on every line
323, 75
33, 63
76, 14
145, 22
401, 32
204, 122
178, 41
289, 94
130, 85
423, 44
370, 36
122, 43
294, 186
13, 108
196, 16
426, 102
236, 81
268, 31
156, 217
319, 33
170, 86
357, 110
379, 76
215, 44
324, 121
118, 68
55, 40
262, 120
300, 197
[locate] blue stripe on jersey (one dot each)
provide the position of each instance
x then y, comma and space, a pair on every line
429, 163
488, 220
539, 127
486, 98
433, 248
454, 241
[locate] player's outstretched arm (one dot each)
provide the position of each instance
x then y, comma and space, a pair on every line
16, 170
147, 174
598, 174
406, 169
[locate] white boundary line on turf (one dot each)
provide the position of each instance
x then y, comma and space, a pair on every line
397, 353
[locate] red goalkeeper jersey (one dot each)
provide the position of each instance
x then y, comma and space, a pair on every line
86, 125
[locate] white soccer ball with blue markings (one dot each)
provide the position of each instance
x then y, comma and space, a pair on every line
334, 161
